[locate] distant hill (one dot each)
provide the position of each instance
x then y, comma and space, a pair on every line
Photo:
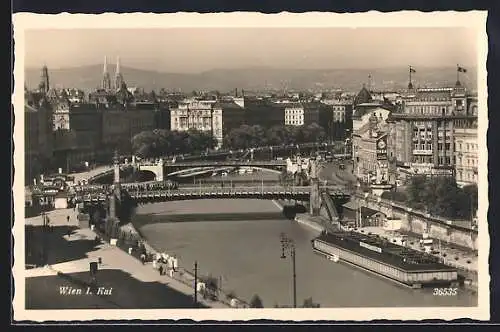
89, 77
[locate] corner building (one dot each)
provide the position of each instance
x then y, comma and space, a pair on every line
423, 133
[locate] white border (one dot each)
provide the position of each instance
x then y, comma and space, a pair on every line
473, 19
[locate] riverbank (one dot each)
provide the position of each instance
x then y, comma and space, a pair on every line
129, 284
245, 255
183, 275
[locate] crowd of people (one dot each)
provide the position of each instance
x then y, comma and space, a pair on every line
152, 186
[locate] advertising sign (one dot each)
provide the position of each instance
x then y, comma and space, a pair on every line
382, 148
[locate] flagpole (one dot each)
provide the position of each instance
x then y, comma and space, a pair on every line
458, 71
410, 75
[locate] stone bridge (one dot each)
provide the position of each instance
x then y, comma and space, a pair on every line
161, 169
257, 192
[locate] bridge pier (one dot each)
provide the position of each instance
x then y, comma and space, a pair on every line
315, 199
112, 222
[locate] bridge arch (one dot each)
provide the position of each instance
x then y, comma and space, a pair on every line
156, 169
145, 175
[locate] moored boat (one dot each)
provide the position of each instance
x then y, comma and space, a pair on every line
397, 263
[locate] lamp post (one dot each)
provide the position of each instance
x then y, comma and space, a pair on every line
195, 284
288, 244
45, 224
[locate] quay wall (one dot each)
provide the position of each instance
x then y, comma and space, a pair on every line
418, 222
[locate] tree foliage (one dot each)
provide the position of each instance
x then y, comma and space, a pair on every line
256, 302
161, 142
245, 136
440, 196
309, 303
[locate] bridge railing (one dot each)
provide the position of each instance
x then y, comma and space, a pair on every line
214, 189
227, 163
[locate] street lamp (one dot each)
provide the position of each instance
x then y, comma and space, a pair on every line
45, 225
288, 244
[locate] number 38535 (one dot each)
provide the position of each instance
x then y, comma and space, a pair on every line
445, 291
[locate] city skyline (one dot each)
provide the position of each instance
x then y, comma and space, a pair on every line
196, 50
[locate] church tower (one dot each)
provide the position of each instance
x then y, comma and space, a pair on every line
118, 75
106, 80
44, 80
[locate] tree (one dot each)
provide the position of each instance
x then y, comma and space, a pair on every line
161, 142
309, 303
256, 302
440, 195
472, 192
145, 144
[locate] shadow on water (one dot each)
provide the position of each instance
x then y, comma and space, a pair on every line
290, 211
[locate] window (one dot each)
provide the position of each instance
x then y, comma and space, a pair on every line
447, 146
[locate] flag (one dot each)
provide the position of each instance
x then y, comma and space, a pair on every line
412, 70
461, 69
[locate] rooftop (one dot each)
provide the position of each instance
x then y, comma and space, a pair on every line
401, 257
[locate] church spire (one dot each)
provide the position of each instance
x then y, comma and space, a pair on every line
106, 80
118, 76
117, 66
105, 69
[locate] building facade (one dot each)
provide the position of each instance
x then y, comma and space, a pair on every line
38, 143
424, 133
294, 114
369, 147
212, 116
466, 145
341, 121
264, 112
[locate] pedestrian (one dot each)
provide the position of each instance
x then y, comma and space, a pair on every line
67, 218
143, 258
69, 233
161, 269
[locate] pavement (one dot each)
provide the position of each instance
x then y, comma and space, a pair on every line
134, 285
332, 173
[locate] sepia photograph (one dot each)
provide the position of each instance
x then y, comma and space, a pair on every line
229, 164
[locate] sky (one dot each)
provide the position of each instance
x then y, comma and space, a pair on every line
192, 50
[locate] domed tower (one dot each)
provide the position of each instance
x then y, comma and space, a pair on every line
363, 96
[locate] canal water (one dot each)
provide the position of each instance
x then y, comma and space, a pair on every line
229, 243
